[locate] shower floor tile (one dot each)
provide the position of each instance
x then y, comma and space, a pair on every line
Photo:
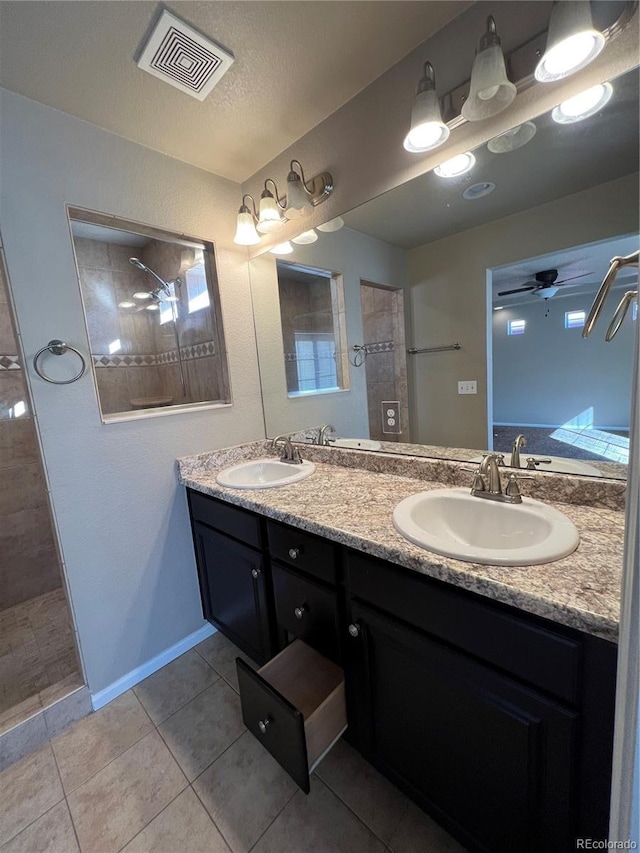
37, 650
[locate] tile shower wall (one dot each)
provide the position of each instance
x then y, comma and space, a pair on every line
385, 364
29, 564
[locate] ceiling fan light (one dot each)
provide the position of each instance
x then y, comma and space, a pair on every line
584, 105
572, 41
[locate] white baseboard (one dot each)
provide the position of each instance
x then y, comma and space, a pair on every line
103, 697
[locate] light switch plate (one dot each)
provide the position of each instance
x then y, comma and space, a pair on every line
468, 386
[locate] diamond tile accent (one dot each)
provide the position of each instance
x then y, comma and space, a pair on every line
10, 362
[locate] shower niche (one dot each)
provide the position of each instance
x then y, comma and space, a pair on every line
152, 312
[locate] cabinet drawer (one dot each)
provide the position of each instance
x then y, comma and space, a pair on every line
306, 610
295, 706
232, 520
523, 647
303, 550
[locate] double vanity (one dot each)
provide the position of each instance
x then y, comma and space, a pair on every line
484, 691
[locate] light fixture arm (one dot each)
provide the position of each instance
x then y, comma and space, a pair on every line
427, 82
307, 189
282, 203
490, 38
245, 209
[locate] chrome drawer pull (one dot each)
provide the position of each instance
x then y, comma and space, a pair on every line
255, 573
354, 629
300, 611
294, 553
262, 724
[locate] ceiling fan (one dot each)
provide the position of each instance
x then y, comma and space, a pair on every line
546, 284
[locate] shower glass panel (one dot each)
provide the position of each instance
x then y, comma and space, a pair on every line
313, 329
38, 659
153, 318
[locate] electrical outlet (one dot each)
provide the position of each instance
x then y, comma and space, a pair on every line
391, 417
469, 386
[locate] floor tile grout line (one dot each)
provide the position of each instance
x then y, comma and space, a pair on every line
164, 808
73, 824
210, 816
182, 707
262, 834
370, 828
191, 781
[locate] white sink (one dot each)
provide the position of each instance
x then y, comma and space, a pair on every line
264, 474
558, 464
357, 443
454, 523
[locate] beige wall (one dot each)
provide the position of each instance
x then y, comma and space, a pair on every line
449, 300
121, 515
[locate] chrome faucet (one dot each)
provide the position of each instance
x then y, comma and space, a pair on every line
519, 442
487, 484
290, 453
322, 435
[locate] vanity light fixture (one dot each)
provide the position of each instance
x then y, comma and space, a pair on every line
126, 304
334, 224
270, 212
584, 105
302, 197
456, 166
153, 307
572, 41
427, 130
512, 139
499, 308
305, 238
142, 294
491, 91
246, 234
282, 249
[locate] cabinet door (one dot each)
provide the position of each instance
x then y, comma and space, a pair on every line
493, 761
235, 592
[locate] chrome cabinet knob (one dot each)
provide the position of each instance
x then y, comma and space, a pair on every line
294, 553
354, 629
263, 724
300, 611
255, 573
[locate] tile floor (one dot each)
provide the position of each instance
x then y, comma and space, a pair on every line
168, 767
37, 650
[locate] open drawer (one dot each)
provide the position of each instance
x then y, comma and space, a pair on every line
295, 706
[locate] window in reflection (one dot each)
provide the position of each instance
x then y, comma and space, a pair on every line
313, 329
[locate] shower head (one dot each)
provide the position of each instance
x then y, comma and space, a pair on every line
136, 262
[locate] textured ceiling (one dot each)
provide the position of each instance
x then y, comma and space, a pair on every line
296, 63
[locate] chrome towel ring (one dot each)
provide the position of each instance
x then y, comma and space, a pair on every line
59, 348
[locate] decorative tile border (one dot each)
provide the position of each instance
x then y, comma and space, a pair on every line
10, 362
188, 353
379, 346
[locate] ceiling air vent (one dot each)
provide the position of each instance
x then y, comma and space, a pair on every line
179, 55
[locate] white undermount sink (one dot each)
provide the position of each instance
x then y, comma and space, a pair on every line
264, 474
456, 524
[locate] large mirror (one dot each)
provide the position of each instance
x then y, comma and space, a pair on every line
153, 317
465, 298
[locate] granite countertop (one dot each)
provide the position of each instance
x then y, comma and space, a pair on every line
354, 507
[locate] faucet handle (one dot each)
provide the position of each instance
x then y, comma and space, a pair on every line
533, 463
513, 489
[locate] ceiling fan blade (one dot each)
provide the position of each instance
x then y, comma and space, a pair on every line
518, 290
563, 280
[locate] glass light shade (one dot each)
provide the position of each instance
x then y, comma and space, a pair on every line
582, 106
456, 166
305, 238
572, 42
491, 91
298, 203
126, 304
142, 294
269, 215
246, 234
187, 260
512, 139
282, 249
154, 307
427, 128
332, 225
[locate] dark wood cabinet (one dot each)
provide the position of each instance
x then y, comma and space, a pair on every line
492, 760
497, 722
